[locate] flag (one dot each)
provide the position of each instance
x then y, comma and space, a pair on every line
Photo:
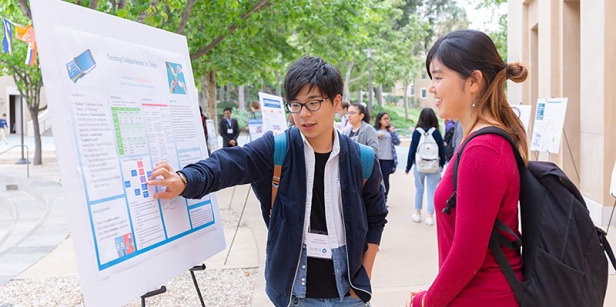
7, 42
27, 35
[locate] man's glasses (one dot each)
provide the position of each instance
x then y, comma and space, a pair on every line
312, 105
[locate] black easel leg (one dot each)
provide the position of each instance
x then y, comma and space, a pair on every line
192, 273
162, 289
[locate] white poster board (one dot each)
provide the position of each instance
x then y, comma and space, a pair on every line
523, 112
274, 117
122, 98
549, 122
255, 128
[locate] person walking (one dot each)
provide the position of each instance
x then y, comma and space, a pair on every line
468, 82
387, 139
310, 211
3, 128
359, 128
228, 129
427, 148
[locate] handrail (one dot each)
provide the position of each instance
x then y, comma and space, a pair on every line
27, 157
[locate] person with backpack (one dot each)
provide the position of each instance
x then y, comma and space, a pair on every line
468, 83
324, 209
427, 153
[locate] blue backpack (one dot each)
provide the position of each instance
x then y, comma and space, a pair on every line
366, 155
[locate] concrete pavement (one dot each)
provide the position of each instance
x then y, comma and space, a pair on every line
407, 258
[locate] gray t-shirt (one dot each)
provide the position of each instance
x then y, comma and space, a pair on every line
384, 138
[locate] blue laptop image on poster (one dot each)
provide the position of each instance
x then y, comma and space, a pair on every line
80, 65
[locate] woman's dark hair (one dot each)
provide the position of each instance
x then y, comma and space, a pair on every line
316, 72
363, 110
466, 51
427, 119
377, 120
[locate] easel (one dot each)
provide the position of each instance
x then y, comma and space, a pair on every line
238, 223
163, 289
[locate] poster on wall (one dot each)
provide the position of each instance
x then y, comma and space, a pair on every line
273, 110
548, 126
523, 112
122, 98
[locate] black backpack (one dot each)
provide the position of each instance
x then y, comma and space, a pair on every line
563, 252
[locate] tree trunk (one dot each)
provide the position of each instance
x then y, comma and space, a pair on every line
38, 153
221, 93
379, 95
406, 100
209, 95
278, 84
240, 97
360, 97
228, 92
346, 92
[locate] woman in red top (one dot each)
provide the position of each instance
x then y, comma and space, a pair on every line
468, 80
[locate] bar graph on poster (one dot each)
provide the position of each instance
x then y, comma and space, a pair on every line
122, 98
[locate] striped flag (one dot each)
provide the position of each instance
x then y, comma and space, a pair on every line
7, 42
27, 35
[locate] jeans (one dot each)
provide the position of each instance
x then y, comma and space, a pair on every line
432, 181
328, 302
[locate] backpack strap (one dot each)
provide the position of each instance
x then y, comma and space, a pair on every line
497, 239
451, 202
280, 151
366, 154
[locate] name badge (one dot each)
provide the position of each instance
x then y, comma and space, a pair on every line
317, 246
229, 130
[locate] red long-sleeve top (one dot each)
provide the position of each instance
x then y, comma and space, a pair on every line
488, 188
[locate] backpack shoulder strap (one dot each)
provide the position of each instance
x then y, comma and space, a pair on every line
451, 202
366, 154
431, 130
280, 151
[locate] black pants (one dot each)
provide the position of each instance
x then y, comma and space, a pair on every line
386, 169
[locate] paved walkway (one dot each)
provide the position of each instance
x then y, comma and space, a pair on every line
407, 258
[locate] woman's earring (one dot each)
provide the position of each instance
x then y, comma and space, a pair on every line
473, 105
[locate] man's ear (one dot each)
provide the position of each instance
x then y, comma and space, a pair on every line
337, 102
475, 81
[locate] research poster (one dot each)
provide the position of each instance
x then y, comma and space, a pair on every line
548, 126
122, 98
273, 110
523, 111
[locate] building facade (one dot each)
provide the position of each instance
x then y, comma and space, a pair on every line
10, 104
569, 47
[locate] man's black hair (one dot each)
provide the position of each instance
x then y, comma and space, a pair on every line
227, 109
316, 72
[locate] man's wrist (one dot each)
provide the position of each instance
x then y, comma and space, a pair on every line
182, 177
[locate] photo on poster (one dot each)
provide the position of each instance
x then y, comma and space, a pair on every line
175, 75
80, 65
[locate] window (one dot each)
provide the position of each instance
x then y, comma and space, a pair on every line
413, 89
424, 76
424, 93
